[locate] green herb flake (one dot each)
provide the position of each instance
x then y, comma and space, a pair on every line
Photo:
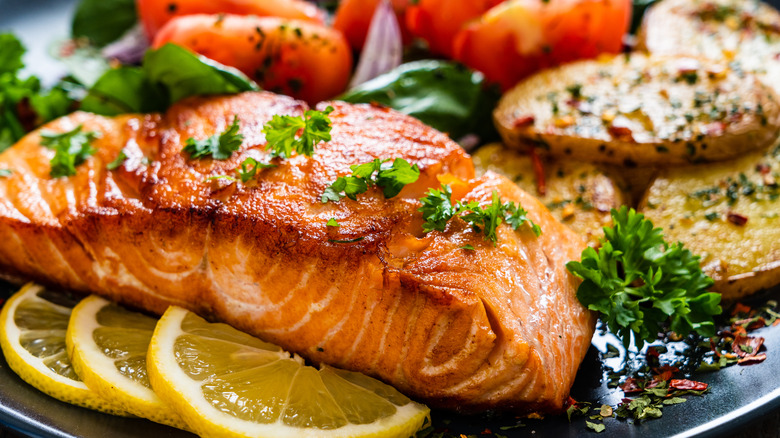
249, 168
120, 159
391, 178
5, 173
639, 282
467, 247
71, 149
218, 146
332, 222
596, 427
282, 133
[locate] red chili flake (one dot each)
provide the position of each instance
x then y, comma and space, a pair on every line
685, 384
737, 219
751, 323
664, 373
524, 121
541, 183
777, 56
745, 346
752, 360
487, 432
570, 402
621, 130
375, 104
777, 322
652, 352
741, 309
763, 168
630, 386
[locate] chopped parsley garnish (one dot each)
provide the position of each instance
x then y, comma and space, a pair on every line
250, 167
218, 146
332, 222
639, 282
282, 133
118, 161
438, 210
391, 178
71, 149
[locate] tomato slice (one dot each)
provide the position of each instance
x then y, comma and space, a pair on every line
353, 18
520, 37
155, 13
438, 21
298, 58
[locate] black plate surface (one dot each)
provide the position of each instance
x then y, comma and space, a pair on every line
739, 395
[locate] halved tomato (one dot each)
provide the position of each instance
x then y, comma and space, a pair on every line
438, 21
298, 58
520, 37
155, 13
353, 18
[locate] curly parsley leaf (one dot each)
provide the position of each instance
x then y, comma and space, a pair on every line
639, 282
282, 133
218, 146
391, 178
71, 149
438, 210
250, 167
118, 161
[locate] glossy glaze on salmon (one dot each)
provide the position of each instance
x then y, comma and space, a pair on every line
496, 327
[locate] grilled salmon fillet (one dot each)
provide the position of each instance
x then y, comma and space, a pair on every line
494, 327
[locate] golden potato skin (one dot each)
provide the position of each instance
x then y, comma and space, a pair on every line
578, 194
641, 110
746, 32
706, 207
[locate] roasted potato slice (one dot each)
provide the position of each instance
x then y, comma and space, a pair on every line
745, 32
578, 194
639, 111
729, 213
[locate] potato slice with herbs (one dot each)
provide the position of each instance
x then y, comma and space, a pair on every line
743, 32
578, 194
638, 110
729, 213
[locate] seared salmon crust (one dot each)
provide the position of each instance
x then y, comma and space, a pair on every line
494, 327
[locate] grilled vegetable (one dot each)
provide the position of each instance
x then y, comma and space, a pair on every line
578, 194
640, 111
729, 213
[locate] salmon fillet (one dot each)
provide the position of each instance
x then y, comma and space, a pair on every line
496, 327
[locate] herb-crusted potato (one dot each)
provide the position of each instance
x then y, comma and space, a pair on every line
744, 32
578, 194
640, 110
729, 213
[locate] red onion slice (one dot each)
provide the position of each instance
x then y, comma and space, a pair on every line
130, 48
383, 50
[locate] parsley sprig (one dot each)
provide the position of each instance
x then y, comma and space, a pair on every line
250, 167
391, 178
70, 149
218, 146
438, 209
639, 282
282, 133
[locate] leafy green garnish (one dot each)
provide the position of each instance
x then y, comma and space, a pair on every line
596, 427
281, 133
438, 210
442, 94
117, 161
71, 149
391, 178
639, 282
332, 222
167, 75
250, 167
24, 105
103, 21
218, 146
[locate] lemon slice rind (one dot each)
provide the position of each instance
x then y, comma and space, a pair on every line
100, 374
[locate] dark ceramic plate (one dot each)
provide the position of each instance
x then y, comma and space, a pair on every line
738, 397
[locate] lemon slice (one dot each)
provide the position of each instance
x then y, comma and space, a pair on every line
107, 345
225, 383
32, 336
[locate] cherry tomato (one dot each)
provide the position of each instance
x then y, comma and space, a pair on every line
353, 18
438, 21
155, 13
298, 58
520, 37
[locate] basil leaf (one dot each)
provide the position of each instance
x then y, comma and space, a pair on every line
168, 74
103, 21
442, 94
11, 52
